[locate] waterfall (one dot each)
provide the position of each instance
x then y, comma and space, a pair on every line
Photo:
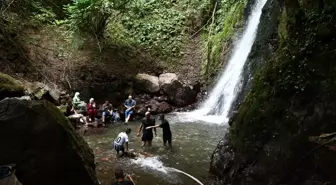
217, 106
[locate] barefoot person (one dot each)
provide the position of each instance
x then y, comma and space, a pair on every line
121, 142
147, 134
166, 133
120, 178
129, 104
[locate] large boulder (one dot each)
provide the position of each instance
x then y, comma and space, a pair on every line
9, 87
36, 137
164, 107
167, 78
179, 94
42, 91
147, 83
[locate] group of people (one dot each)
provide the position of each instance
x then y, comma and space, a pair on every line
120, 144
146, 129
90, 113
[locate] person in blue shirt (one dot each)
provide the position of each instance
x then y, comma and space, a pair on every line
129, 104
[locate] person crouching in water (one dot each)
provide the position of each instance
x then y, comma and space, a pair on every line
120, 141
120, 178
166, 133
129, 104
147, 134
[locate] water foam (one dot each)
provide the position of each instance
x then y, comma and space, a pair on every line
151, 163
155, 164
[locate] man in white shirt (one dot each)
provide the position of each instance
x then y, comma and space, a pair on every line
120, 141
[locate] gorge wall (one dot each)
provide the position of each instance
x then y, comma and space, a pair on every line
282, 132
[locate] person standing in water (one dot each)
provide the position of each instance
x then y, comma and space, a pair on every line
147, 134
120, 178
129, 104
166, 133
120, 141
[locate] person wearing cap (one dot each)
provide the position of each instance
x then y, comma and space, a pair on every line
120, 178
129, 104
166, 133
92, 109
147, 134
121, 142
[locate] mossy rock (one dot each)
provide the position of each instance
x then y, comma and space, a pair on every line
9, 87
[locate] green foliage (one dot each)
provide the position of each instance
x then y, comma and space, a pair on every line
90, 16
157, 26
228, 20
42, 14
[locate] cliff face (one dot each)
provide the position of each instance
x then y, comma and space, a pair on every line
290, 99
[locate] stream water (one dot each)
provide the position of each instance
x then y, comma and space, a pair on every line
193, 144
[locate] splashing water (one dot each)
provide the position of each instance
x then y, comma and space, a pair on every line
151, 163
217, 106
155, 164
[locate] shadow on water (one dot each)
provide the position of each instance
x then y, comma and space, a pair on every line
193, 144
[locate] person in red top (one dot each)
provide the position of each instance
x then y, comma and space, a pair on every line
92, 110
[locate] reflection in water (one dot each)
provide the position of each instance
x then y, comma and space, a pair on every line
192, 148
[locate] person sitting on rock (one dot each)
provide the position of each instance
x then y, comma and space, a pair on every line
78, 104
69, 109
80, 118
120, 178
107, 112
129, 104
92, 110
120, 141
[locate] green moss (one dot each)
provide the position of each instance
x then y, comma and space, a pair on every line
299, 74
229, 20
282, 28
9, 87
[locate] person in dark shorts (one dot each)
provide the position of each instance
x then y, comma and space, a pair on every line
120, 178
147, 134
120, 141
166, 133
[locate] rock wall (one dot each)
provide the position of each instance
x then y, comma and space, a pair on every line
265, 45
37, 137
291, 101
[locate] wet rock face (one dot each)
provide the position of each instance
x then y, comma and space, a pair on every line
36, 137
270, 131
265, 44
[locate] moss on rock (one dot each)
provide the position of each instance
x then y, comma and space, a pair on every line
43, 145
229, 18
292, 98
9, 87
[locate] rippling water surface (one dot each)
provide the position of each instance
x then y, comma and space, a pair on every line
193, 144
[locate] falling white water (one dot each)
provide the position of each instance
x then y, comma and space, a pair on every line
217, 106
155, 164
